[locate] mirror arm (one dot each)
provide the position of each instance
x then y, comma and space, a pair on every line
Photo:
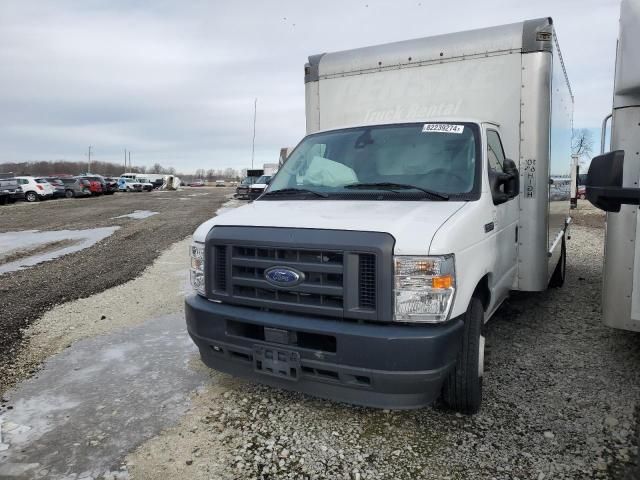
626, 196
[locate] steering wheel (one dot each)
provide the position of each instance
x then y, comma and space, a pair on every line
441, 171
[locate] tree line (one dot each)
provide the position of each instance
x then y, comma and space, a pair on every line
111, 169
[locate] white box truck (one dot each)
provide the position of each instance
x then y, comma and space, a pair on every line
419, 199
613, 179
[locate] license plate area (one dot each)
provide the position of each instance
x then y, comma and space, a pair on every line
276, 362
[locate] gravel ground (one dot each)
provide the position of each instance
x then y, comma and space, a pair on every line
25, 295
562, 400
562, 394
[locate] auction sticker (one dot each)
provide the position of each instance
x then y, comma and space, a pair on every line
442, 128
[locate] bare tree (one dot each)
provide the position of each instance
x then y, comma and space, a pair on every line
582, 143
157, 168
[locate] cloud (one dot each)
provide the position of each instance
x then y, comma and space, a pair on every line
174, 82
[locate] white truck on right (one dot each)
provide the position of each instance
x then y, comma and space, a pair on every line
614, 189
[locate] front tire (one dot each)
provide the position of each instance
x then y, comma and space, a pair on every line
462, 390
68, 193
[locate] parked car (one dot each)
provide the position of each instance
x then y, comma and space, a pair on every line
9, 189
242, 190
76, 187
147, 186
126, 184
110, 185
257, 188
35, 189
197, 183
582, 192
58, 187
220, 183
95, 185
107, 188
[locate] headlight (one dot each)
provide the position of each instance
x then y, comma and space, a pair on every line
197, 267
423, 288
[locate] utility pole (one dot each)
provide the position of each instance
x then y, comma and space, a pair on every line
253, 143
130, 167
89, 162
125, 160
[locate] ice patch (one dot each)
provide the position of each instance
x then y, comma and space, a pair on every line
138, 214
229, 205
14, 242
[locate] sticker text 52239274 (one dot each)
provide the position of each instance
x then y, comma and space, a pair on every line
442, 128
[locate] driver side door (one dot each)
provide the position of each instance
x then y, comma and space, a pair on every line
505, 220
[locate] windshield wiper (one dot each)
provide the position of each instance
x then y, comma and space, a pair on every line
396, 186
292, 191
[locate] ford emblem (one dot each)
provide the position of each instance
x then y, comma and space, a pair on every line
283, 276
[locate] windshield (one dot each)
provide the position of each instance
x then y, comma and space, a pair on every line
248, 180
264, 179
434, 157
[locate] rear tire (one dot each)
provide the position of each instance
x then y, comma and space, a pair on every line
68, 193
462, 390
560, 273
31, 197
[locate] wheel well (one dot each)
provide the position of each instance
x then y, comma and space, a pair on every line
482, 292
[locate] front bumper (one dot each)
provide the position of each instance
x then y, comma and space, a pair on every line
377, 365
242, 192
253, 194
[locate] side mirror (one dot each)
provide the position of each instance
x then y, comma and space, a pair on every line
604, 183
512, 185
504, 186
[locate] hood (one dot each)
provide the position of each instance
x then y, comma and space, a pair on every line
412, 224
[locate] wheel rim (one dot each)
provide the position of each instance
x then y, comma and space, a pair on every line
481, 357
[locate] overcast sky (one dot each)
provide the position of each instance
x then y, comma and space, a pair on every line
174, 81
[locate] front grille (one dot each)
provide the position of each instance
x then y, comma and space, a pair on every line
342, 274
367, 281
323, 276
220, 268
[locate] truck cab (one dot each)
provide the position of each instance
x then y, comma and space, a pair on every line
394, 230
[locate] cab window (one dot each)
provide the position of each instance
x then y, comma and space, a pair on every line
495, 153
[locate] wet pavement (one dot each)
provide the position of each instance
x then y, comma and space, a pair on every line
97, 401
139, 214
24, 241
